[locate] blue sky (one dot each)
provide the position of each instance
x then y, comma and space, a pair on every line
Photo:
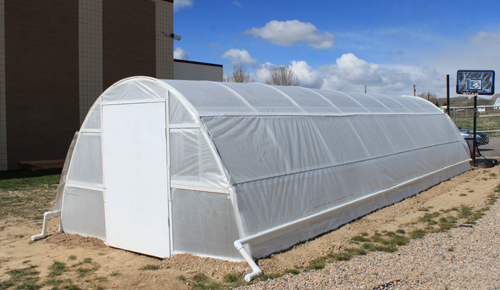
343, 45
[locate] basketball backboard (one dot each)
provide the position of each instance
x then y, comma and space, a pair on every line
481, 82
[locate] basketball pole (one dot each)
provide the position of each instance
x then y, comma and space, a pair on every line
474, 146
448, 95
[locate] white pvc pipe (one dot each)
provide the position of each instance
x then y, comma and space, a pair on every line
44, 229
256, 271
238, 244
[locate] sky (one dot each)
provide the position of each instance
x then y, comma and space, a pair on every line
387, 45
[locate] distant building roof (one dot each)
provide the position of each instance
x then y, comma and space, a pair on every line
197, 62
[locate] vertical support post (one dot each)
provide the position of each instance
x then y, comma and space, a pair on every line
448, 95
474, 142
169, 173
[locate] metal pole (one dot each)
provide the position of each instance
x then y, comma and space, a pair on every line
448, 95
474, 146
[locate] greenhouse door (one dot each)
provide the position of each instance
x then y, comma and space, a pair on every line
134, 150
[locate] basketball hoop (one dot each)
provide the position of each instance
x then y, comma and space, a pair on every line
475, 82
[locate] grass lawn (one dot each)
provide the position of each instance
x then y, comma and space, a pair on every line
26, 193
483, 123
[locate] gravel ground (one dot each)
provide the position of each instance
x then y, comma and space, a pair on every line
462, 258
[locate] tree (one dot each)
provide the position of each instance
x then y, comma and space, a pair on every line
226, 76
431, 97
283, 76
239, 74
428, 96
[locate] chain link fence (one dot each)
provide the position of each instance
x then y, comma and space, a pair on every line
487, 124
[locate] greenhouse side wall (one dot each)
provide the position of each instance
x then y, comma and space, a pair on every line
83, 202
204, 224
287, 168
289, 237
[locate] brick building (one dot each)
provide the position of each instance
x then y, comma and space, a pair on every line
56, 58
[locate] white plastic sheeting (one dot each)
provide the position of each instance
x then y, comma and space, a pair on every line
193, 219
303, 194
274, 165
64, 174
93, 119
192, 161
87, 167
83, 212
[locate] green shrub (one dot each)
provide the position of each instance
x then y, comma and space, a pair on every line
360, 239
464, 212
151, 267
317, 264
387, 249
266, 277
57, 269
355, 251
233, 277
417, 234
292, 271
83, 271
343, 256
200, 277
398, 240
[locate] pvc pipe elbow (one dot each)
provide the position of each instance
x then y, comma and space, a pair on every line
255, 273
44, 229
37, 237
238, 245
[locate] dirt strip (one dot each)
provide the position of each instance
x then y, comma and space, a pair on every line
427, 263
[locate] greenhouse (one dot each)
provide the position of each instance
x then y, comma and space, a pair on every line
239, 171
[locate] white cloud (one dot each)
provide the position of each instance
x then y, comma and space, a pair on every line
479, 52
292, 32
237, 3
262, 72
308, 77
237, 56
485, 38
350, 73
179, 4
180, 53
356, 70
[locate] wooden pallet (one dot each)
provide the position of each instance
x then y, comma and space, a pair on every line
40, 165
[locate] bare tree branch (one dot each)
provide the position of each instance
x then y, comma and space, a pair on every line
433, 98
238, 74
227, 75
283, 76
183, 57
